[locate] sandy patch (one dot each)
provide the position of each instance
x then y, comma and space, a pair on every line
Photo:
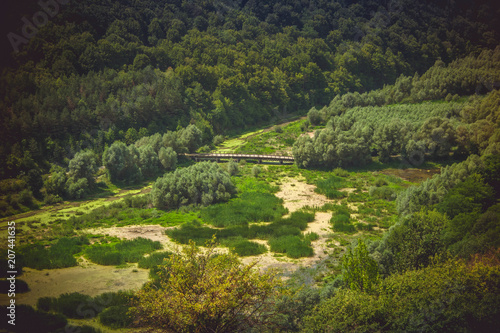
89, 279
153, 232
297, 194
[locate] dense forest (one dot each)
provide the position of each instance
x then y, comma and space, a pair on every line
104, 71
103, 95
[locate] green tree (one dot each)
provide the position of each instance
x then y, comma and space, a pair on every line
168, 158
206, 291
202, 183
120, 161
84, 165
359, 270
56, 182
148, 161
232, 167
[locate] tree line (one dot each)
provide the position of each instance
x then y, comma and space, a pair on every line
405, 119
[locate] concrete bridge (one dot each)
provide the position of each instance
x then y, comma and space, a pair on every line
238, 157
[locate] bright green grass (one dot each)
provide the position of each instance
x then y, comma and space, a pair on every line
57, 254
248, 207
250, 184
272, 141
292, 246
244, 247
121, 252
154, 259
283, 227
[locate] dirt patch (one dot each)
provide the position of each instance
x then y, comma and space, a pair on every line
268, 260
152, 232
297, 194
89, 279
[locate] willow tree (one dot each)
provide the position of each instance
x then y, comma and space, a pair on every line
206, 291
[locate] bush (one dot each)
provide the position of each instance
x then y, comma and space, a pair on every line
245, 248
329, 187
340, 172
21, 286
292, 246
116, 317
58, 255
192, 231
26, 198
232, 168
311, 236
31, 320
249, 207
256, 170
46, 304
74, 305
168, 158
124, 251
203, 183
445, 297
104, 255
207, 291
341, 223
153, 259
218, 139
384, 192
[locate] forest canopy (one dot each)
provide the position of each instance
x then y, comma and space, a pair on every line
101, 71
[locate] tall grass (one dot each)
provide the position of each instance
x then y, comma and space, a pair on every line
154, 259
282, 227
249, 207
57, 255
292, 246
341, 220
330, 187
119, 253
244, 247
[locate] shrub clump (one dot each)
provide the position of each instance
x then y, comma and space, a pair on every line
383, 192
330, 187
31, 320
292, 246
341, 220
21, 286
203, 183
243, 248
249, 207
119, 253
153, 260
58, 255
116, 316
73, 305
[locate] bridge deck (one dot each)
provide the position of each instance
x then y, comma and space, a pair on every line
242, 156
